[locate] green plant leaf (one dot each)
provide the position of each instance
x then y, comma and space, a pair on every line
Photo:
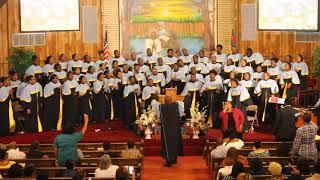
20, 60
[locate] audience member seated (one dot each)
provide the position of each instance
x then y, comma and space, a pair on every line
123, 174
14, 152
275, 170
226, 170
237, 172
303, 168
258, 151
4, 162
106, 168
256, 167
220, 151
15, 171
66, 143
234, 154
70, 171
34, 152
131, 152
316, 174
231, 140
304, 145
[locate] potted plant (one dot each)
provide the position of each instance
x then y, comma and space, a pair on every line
316, 59
20, 60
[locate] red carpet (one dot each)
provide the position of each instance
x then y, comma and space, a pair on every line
115, 131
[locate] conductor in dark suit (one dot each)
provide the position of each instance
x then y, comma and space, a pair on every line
171, 139
284, 127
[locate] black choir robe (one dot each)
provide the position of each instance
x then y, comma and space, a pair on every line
117, 98
99, 101
131, 104
70, 103
85, 106
52, 106
171, 139
6, 112
284, 127
286, 78
192, 96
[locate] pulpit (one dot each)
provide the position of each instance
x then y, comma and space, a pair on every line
173, 93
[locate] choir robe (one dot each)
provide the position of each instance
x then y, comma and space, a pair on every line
33, 70
117, 98
178, 80
169, 60
72, 64
131, 63
120, 61
186, 59
6, 112
110, 105
221, 58
227, 86
150, 60
198, 76
52, 106
203, 60
287, 77
99, 101
91, 77
166, 71
240, 71
235, 58
249, 85
63, 65
214, 66
61, 75
201, 67
125, 77
145, 70
130, 94
147, 93
98, 62
240, 98
185, 69
158, 80
266, 64
257, 76
217, 77
274, 72
141, 79
14, 85
70, 103
86, 65
254, 60
302, 70
20, 88
48, 69
31, 99
212, 92
227, 70
264, 89
85, 105
192, 96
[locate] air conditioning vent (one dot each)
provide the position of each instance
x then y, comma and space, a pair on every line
28, 39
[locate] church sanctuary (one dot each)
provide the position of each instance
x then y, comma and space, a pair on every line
160, 89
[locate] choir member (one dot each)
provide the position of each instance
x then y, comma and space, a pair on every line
14, 83
109, 87
30, 99
144, 68
193, 71
130, 94
6, 110
213, 65
102, 68
212, 92
240, 98
253, 59
63, 63
34, 69
70, 101
248, 83
75, 63
77, 73
259, 74
264, 90
274, 70
52, 104
140, 77
117, 95
182, 66
202, 58
186, 57
227, 68
126, 74
227, 82
289, 81
192, 94
158, 79
267, 62
84, 93
178, 79
60, 72
221, 58
99, 99
117, 58
48, 68
164, 69
91, 75
149, 93
101, 60
242, 69
132, 61
87, 62
170, 59
150, 58
235, 56
302, 69
23, 84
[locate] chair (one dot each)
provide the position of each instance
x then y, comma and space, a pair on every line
253, 118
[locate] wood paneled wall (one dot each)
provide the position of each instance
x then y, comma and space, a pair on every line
279, 42
67, 42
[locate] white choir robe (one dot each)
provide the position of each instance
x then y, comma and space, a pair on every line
270, 83
229, 69
159, 78
266, 63
20, 89
48, 69
74, 64
15, 84
61, 75
120, 61
32, 70
186, 59
131, 63
274, 71
68, 85
226, 85
301, 67
241, 70
126, 76
247, 84
82, 89
221, 58
191, 86
203, 60
169, 60
216, 66
140, 77
150, 59
289, 75
49, 88
217, 77
199, 77
145, 69
255, 57
216, 84
91, 77
98, 62
131, 88
257, 76
179, 75
63, 65
148, 90
185, 69
86, 65
166, 70
201, 68
238, 91
235, 57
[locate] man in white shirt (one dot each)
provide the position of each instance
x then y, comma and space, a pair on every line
14, 153
220, 151
225, 171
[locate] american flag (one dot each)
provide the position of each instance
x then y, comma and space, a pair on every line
106, 52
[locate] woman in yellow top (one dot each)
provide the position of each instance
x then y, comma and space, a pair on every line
4, 162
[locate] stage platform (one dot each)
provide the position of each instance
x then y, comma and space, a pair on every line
115, 131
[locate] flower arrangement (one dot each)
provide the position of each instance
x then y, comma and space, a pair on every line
148, 118
197, 122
